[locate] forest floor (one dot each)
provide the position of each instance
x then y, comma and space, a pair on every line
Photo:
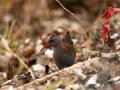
25, 27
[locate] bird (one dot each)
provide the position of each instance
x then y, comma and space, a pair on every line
64, 53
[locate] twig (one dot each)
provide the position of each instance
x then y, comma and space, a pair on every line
76, 18
13, 54
45, 78
10, 69
10, 59
70, 12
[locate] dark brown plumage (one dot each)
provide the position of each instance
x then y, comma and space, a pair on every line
68, 48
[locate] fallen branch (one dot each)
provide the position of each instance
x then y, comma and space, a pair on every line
47, 77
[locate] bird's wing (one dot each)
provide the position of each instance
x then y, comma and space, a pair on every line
68, 48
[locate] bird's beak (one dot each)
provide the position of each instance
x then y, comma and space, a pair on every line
46, 46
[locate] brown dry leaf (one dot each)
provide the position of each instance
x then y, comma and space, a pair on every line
100, 64
10, 72
111, 43
69, 80
117, 86
42, 87
64, 74
104, 64
53, 85
95, 63
29, 50
114, 70
25, 78
103, 77
79, 57
63, 82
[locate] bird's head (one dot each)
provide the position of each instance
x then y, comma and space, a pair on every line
54, 41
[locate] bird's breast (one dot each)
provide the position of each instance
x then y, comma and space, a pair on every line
62, 59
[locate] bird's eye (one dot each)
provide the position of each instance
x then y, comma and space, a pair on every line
51, 41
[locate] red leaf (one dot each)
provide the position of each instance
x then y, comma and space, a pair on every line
105, 32
117, 9
109, 13
111, 43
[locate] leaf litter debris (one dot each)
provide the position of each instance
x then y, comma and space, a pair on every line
95, 67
